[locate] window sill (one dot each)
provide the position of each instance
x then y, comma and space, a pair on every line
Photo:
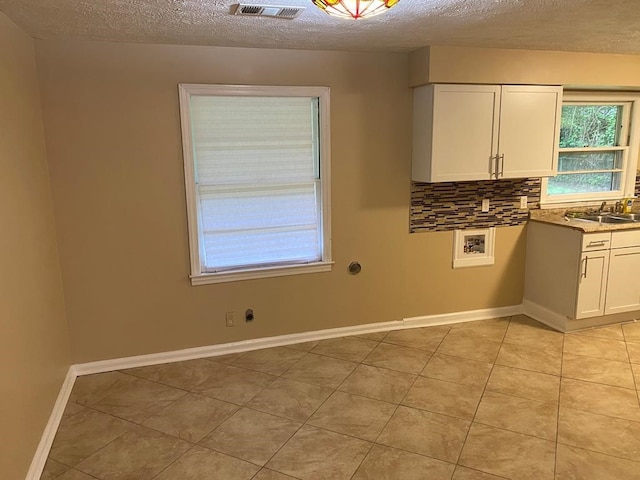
580, 203
255, 273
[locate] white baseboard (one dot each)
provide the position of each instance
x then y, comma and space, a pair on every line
268, 342
42, 452
234, 347
460, 317
544, 315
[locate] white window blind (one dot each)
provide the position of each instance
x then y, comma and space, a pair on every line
257, 179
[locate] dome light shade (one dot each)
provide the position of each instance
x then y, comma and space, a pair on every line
354, 9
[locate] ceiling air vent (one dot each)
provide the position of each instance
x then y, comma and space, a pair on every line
268, 11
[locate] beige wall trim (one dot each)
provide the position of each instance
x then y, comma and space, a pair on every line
281, 340
49, 433
459, 317
442, 64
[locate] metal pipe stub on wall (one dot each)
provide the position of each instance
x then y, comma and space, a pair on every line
355, 268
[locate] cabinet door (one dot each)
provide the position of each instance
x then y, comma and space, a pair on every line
592, 284
623, 288
465, 132
529, 131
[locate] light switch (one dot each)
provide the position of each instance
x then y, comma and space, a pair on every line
485, 205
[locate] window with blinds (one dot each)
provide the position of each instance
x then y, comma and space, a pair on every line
256, 165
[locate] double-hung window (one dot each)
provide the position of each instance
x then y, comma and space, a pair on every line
257, 180
598, 149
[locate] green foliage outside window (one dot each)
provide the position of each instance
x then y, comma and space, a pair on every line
588, 126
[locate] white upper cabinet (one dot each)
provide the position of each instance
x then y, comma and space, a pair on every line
484, 132
529, 131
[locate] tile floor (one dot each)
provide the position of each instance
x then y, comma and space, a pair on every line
496, 399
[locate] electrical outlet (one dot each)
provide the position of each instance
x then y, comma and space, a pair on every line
230, 318
524, 202
485, 205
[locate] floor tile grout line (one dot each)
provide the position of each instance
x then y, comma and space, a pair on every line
69, 469
593, 382
397, 406
73, 415
113, 440
197, 392
604, 415
477, 422
141, 425
617, 457
260, 467
466, 438
305, 423
302, 424
480, 471
557, 442
633, 376
174, 461
526, 369
520, 397
99, 449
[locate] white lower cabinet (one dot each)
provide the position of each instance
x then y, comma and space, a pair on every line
592, 284
623, 284
572, 275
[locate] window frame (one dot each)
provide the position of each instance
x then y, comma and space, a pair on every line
199, 274
629, 144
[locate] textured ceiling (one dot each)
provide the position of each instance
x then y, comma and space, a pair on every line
611, 26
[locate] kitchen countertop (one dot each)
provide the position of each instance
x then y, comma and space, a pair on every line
557, 217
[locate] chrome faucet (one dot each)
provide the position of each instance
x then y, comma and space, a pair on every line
602, 207
618, 207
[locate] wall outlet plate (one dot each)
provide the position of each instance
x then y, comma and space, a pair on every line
524, 202
485, 205
230, 318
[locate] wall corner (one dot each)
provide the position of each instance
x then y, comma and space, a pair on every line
419, 66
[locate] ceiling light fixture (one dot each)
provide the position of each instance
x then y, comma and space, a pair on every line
354, 8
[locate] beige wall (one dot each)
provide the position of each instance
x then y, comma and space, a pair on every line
34, 350
111, 115
438, 64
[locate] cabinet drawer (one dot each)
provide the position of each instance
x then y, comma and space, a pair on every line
596, 241
627, 238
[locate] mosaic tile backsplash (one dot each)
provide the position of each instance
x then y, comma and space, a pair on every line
438, 207
458, 205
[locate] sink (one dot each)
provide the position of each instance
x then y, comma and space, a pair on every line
622, 218
634, 217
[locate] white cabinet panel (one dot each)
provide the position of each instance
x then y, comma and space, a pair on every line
627, 238
455, 132
592, 284
623, 286
529, 130
596, 241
